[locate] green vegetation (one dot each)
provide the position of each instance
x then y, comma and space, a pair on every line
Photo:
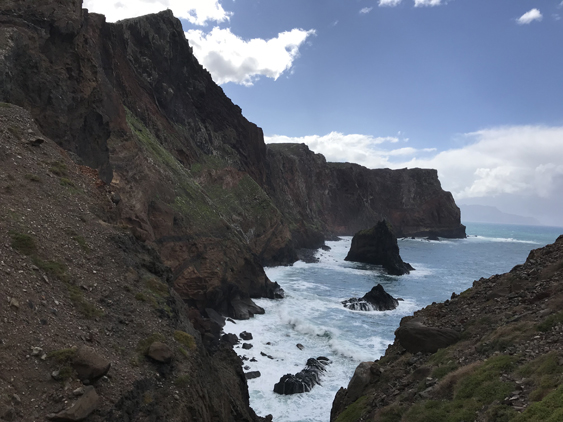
5, 105
81, 304
16, 132
441, 371
545, 373
354, 412
393, 413
182, 381
506, 336
157, 287
474, 387
142, 297
62, 356
185, 339
66, 182
144, 344
58, 168
23, 243
53, 268
550, 409
81, 242
33, 178
550, 322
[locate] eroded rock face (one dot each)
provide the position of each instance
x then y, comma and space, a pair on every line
377, 299
378, 246
342, 198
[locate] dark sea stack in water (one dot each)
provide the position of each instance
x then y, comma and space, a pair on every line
377, 299
303, 381
378, 246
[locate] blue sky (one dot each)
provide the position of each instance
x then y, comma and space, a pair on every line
473, 88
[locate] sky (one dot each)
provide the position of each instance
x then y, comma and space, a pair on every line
473, 88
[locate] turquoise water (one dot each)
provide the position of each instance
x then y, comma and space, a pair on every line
312, 315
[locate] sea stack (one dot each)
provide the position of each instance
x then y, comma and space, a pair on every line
378, 246
377, 299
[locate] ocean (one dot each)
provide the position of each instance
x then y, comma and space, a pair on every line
312, 315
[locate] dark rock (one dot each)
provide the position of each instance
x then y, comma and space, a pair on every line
214, 316
300, 346
378, 246
416, 337
244, 308
252, 375
160, 352
303, 381
246, 336
89, 364
307, 255
246, 346
232, 339
81, 409
377, 299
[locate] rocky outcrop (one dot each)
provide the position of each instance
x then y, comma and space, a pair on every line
416, 337
490, 353
304, 380
378, 246
342, 198
377, 299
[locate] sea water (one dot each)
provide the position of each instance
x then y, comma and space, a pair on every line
312, 315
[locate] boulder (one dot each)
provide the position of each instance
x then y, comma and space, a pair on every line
417, 337
81, 409
160, 352
378, 246
252, 374
246, 336
89, 364
246, 346
303, 381
377, 299
230, 338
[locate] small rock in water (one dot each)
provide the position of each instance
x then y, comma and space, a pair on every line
300, 346
245, 335
252, 375
247, 346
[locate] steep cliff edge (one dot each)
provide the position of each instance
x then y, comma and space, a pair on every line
343, 198
501, 355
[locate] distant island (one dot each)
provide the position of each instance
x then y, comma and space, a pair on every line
489, 214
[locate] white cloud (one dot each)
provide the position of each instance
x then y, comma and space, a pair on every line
366, 10
529, 17
198, 12
229, 58
419, 3
390, 3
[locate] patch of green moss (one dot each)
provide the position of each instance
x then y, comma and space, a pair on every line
354, 411
144, 344
185, 339
33, 178
82, 305
550, 322
62, 356
184, 352
182, 381
146, 297
157, 287
23, 243
67, 183
52, 268
81, 242
550, 409
58, 168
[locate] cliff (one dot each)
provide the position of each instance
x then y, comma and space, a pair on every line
499, 354
175, 174
343, 198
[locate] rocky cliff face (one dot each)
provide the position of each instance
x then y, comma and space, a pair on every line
343, 198
492, 353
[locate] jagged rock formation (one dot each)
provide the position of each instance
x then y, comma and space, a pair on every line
378, 246
377, 299
303, 381
506, 366
342, 198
